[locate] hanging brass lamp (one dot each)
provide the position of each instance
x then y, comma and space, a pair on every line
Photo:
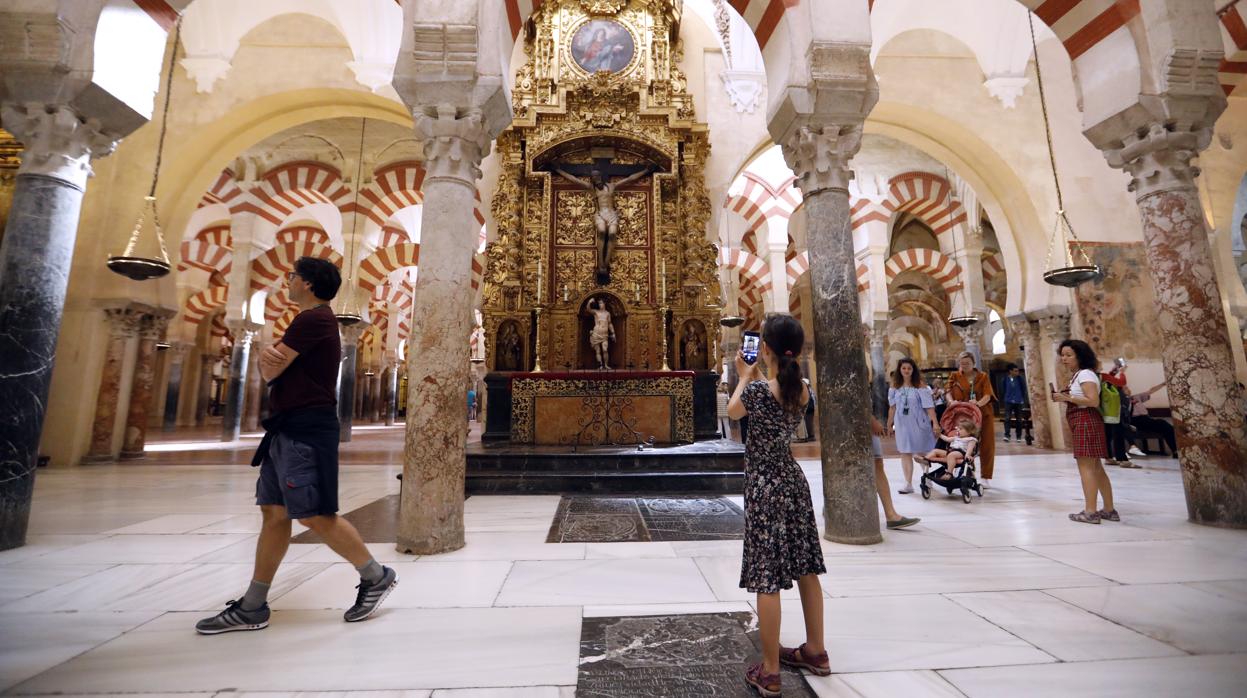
1068, 272
145, 256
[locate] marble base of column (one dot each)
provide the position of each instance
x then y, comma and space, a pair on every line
346, 387
34, 272
135, 438
235, 387
849, 497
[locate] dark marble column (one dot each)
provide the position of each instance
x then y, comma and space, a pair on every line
1198, 358
346, 378
390, 384
879, 362
236, 380
151, 330
819, 156
255, 383
123, 323
173, 387
35, 259
203, 400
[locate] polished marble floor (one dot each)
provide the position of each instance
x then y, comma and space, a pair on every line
1000, 597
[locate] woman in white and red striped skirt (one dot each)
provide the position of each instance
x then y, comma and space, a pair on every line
1082, 411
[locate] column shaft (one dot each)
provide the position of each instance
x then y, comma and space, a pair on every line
204, 399
173, 388
346, 380
1028, 336
236, 384
121, 326
135, 438
255, 385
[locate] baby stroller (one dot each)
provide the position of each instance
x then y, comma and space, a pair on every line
963, 479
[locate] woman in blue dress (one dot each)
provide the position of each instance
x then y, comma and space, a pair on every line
911, 417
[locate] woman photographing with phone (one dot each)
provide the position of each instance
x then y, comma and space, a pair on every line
781, 535
1082, 403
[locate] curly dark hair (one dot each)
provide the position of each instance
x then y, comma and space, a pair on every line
1083, 352
323, 276
898, 380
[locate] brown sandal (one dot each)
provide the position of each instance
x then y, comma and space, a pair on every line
1109, 515
797, 658
767, 685
1084, 517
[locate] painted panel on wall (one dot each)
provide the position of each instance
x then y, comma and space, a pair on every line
1119, 311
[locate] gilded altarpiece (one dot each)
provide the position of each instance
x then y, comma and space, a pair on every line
602, 89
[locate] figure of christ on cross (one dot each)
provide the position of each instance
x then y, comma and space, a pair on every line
606, 220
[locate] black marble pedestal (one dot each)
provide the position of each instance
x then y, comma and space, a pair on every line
591, 519
704, 467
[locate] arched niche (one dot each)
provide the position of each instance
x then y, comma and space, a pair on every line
694, 343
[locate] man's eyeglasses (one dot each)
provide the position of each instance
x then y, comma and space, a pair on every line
291, 276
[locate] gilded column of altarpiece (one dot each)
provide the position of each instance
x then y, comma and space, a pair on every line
602, 86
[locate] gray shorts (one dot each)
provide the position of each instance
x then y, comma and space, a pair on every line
289, 477
876, 446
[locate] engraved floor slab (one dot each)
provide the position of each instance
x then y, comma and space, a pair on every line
637, 520
703, 655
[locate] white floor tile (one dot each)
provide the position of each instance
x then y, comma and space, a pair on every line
208, 587
1148, 562
1045, 531
625, 551
597, 582
420, 585
977, 569
97, 591
382, 552
883, 684
1233, 589
723, 575
143, 549
1171, 677
20, 580
512, 545
244, 552
171, 523
316, 651
669, 609
1190, 619
40, 545
512, 692
33, 643
1063, 630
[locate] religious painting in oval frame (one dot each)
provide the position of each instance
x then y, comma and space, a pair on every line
602, 44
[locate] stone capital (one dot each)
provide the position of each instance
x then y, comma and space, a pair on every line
123, 322
178, 351
455, 141
972, 334
244, 330
819, 155
352, 333
1021, 327
1159, 159
57, 143
1054, 325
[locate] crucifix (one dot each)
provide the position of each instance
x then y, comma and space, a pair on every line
606, 220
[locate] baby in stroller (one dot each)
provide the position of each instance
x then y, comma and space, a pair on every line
961, 445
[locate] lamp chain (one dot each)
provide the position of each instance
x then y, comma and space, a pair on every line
164, 118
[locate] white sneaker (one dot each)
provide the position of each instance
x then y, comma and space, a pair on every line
1134, 451
987, 484
907, 489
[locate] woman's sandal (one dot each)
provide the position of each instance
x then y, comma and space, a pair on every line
767, 685
796, 657
1084, 517
1110, 515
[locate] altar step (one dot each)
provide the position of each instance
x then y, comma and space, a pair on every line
705, 467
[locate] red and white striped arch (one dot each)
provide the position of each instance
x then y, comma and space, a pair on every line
267, 269
203, 303
394, 187
277, 303
927, 196
302, 232
993, 266
282, 323
223, 191
752, 269
1233, 70
866, 211
930, 262
209, 256
799, 266
478, 271
386, 260
393, 235
218, 234
292, 186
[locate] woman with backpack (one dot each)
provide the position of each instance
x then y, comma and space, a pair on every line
1082, 411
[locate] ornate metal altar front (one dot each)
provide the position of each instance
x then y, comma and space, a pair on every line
602, 408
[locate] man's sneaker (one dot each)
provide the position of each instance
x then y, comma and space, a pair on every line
370, 596
234, 617
1006, 439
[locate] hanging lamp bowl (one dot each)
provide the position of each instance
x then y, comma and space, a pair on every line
139, 268
348, 319
1072, 276
963, 320
731, 321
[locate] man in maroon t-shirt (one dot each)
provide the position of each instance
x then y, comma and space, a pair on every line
298, 457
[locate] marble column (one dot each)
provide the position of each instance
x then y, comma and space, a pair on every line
390, 383
819, 156
346, 378
151, 330
34, 273
123, 323
431, 509
1198, 359
203, 398
1054, 328
173, 387
255, 386
1027, 335
236, 380
879, 362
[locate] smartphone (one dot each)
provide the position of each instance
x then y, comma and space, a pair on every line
749, 347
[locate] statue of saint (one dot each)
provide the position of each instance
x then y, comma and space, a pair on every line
509, 352
692, 349
606, 220
603, 332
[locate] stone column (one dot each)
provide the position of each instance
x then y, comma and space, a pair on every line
431, 509
374, 396
779, 276
151, 331
972, 337
391, 393
173, 388
123, 323
1198, 359
346, 378
879, 362
819, 156
255, 386
236, 380
1027, 335
34, 272
1054, 328
203, 400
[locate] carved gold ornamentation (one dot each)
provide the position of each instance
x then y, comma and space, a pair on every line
574, 210
526, 391
603, 7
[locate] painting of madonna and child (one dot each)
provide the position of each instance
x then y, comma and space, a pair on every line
602, 44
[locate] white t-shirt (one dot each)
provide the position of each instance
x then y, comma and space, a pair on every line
1084, 376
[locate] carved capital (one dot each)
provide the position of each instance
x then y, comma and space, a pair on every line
1026, 334
454, 145
819, 155
352, 333
972, 334
244, 330
1053, 327
1159, 159
57, 143
123, 322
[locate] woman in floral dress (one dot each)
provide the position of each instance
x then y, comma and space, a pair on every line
781, 535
